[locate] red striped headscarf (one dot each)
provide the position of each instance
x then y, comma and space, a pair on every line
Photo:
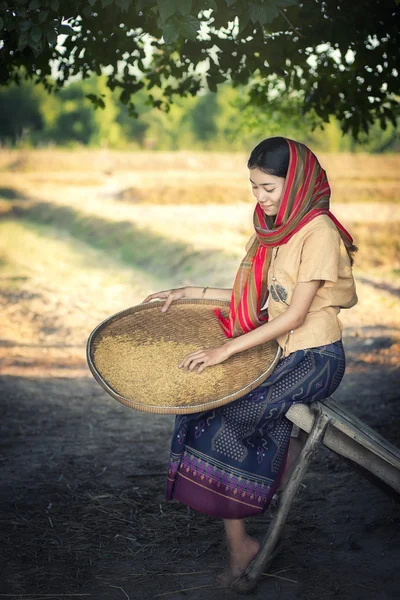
305, 196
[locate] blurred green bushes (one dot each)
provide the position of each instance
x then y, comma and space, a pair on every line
30, 117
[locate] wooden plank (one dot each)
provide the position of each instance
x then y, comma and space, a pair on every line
351, 438
389, 451
350, 425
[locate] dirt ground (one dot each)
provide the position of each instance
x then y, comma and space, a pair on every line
82, 506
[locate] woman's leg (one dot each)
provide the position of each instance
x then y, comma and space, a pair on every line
241, 550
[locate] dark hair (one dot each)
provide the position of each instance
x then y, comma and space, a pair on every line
271, 156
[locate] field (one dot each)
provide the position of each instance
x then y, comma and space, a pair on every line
85, 234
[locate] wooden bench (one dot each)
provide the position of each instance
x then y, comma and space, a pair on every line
325, 422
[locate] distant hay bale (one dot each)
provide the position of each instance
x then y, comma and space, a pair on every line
131, 194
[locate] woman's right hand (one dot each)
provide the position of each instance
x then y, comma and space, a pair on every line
168, 295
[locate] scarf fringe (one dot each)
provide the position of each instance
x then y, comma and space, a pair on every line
224, 322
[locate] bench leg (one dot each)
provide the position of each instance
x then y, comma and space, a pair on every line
248, 582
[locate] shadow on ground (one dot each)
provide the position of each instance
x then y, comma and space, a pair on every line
124, 241
83, 507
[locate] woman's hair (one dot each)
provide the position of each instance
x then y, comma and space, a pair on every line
271, 156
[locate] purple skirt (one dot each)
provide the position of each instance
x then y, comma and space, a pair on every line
228, 462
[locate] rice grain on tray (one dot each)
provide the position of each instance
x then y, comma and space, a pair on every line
135, 355
149, 372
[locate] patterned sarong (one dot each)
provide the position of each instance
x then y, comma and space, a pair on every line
228, 462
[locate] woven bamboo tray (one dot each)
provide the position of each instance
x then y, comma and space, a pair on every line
134, 356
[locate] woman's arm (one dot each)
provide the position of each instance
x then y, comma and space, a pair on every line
188, 292
197, 292
303, 295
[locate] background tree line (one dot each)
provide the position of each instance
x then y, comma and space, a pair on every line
223, 121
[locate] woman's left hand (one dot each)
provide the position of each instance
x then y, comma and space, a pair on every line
205, 358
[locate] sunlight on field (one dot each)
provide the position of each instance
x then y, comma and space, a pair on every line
185, 177
82, 238
65, 272
74, 230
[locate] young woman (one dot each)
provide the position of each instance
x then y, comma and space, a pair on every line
290, 286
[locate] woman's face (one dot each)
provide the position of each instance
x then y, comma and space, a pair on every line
268, 190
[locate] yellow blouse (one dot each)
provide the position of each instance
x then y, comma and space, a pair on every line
315, 252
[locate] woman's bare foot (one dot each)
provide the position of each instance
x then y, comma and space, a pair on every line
239, 560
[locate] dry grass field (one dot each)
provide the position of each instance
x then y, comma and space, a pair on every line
203, 198
85, 234
187, 177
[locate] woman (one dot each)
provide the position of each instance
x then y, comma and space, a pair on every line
290, 286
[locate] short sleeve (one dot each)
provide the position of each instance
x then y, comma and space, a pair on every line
249, 243
320, 256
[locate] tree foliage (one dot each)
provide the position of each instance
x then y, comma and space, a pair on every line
338, 57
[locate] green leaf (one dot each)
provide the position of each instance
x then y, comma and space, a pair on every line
36, 34
11, 25
106, 3
243, 22
125, 96
96, 100
281, 3
212, 85
92, 2
166, 8
230, 2
65, 30
36, 47
132, 110
213, 80
34, 4
54, 5
51, 35
254, 12
140, 4
263, 13
23, 40
186, 26
189, 27
124, 4
1, 23
184, 6
3, 5
25, 25
171, 31
43, 16
280, 72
